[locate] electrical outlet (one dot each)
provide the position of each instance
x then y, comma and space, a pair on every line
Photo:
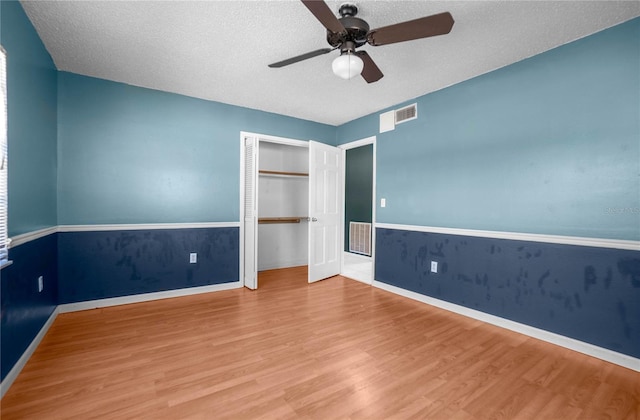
383, 202
40, 284
434, 266
193, 258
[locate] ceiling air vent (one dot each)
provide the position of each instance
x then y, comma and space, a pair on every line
407, 113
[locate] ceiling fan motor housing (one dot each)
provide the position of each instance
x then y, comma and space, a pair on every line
357, 29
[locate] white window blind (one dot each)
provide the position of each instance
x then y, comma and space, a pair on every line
3, 156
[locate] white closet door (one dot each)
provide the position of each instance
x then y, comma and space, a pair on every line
325, 210
251, 212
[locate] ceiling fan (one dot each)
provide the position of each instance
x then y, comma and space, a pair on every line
350, 32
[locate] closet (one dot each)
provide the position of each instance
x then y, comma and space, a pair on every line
291, 207
283, 205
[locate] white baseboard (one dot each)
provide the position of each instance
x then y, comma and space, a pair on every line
355, 277
17, 368
145, 297
271, 265
553, 338
102, 303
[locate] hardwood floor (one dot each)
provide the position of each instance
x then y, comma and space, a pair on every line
332, 349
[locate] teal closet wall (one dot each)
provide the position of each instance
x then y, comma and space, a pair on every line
548, 145
358, 188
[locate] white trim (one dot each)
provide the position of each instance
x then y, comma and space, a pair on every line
258, 138
358, 143
374, 207
553, 338
22, 361
243, 135
516, 236
37, 234
275, 139
31, 236
145, 226
145, 297
533, 237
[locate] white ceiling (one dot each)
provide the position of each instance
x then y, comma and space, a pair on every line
219, 50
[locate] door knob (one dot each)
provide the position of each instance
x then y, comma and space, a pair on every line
313, 219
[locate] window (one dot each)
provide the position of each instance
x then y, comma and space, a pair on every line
4, 242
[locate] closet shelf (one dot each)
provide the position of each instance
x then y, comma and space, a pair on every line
272, 220
282, 173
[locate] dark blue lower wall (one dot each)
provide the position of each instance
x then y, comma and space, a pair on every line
24, 309
590, 294
98, 265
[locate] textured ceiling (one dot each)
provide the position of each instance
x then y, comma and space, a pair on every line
219, 50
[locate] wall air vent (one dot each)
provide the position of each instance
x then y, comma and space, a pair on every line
407, 113
360, 238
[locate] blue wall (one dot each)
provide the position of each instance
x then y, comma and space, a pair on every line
98, 265
90, 151
590, 294
135, 155
547, 145
24, 310
32, 119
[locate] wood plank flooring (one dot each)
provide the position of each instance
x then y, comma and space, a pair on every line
332, 349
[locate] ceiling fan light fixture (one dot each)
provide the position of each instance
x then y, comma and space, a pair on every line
347, 65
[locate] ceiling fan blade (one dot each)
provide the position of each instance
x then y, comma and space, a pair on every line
371, 73
322, 12
301, 57
439, 24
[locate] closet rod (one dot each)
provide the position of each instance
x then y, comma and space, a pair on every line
265, 172
272, 220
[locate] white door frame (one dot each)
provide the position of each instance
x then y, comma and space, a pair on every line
345, 147
259, 138
252, 283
